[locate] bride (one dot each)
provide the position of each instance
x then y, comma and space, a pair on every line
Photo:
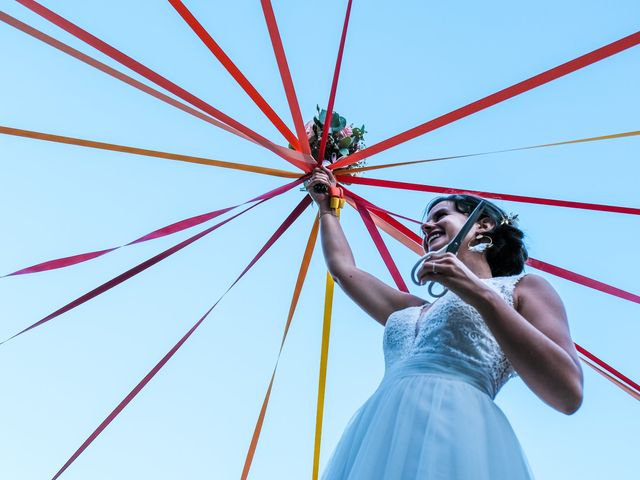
433, 416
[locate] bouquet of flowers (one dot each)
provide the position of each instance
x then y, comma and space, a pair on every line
342, 140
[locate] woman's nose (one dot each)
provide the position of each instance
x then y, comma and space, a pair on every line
426, 227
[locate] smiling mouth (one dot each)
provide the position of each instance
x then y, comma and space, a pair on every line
434, 236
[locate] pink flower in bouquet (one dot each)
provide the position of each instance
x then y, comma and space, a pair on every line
345, 132
308, 127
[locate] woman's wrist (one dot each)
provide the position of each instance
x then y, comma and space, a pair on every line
327, 211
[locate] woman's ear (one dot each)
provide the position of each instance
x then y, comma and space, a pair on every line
485, 224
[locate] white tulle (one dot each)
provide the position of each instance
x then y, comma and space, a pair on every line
433, 415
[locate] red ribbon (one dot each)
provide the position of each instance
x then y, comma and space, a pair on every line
495, 98
285, 74
161, 232
382, 248
500, 196
142, 266
147, 378
158, 79
582, 280
334, 86
235, 72
608, 368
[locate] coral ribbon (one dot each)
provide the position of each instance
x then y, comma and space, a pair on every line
149, 153
304, 267
138, 269
37, 34
116, 411
495, 98
500, 196
161, 232
322, 377
334, 86
235, 72
436, 159
285, 74
158, 79
608, 368
611, 378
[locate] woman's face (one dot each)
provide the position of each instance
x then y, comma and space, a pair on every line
441, 225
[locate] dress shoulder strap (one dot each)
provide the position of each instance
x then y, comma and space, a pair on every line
506, 285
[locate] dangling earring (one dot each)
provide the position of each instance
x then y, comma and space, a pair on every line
482, 244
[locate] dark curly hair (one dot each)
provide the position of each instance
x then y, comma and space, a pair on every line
508, 254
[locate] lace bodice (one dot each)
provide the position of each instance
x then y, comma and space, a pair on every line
449, 326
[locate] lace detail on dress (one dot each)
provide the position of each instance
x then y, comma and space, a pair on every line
451, 327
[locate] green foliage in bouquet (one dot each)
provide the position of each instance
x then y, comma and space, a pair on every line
342, 141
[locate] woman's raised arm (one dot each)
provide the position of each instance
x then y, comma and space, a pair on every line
374, 296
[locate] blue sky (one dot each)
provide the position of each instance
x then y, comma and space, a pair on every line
404, 63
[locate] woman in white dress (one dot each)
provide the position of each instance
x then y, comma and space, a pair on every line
433, 416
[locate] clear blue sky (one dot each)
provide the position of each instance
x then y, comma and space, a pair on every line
405, 63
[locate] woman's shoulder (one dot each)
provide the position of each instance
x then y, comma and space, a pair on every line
532, 285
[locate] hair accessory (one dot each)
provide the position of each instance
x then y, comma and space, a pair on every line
482, 245
509, 219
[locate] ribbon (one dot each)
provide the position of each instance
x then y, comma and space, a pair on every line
37, 34
116, 411
382, 248
495, 98
133, 271
304, 267
158, 79
611, 378
161, 232
500, 196
582, 280
414, 162
608, 368
334, 86
149, 153
322, 377
285, 74
235, 72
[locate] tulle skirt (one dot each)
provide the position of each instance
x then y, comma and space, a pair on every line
432, 420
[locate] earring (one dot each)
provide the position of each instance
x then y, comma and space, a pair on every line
482, 244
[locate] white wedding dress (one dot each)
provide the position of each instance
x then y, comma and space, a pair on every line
433, 416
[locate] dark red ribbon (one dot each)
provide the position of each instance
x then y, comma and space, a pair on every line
582, 280
141, 267
161, 232
381, 246
495, 98
608, 368
147, 378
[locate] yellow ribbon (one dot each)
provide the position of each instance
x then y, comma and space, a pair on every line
322, 380
413, 162
149, 153
304, 267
